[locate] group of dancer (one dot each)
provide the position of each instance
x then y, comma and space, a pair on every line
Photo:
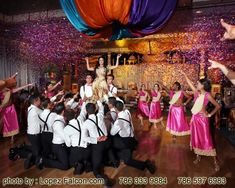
86, 142
75, 131
177, 123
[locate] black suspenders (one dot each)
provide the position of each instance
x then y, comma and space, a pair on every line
115, 114
30, 110
84, 90
45, 122
79, 130
112, 90
128, 122
100, 132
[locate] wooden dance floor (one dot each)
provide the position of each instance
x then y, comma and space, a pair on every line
173, 160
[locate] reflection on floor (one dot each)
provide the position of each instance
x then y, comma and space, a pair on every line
173, 160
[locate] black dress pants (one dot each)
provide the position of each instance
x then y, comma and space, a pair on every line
35, 141
62, 159
46, 140
124, 148
79, 154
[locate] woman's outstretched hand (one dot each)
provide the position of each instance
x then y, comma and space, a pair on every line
230, 31
119, 55
214, 64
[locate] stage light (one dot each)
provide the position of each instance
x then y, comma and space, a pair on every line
120, 43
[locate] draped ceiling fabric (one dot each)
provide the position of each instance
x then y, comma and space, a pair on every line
117, 19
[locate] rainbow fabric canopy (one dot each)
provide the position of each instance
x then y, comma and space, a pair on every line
117, 19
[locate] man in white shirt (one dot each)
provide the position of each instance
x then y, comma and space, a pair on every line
58, 143
80, 150
86, 90
47, 119
112, 89
124, 141
96, 134
111, 115
72, 103
33, 131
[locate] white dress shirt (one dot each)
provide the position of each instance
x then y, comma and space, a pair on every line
58, 130
74, 131
112, 90
48, 119
123, 125
86, 90
91, 133
72, 103
113, 114
52, 99
33, 120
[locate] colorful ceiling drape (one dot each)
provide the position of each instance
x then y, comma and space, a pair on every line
117, 19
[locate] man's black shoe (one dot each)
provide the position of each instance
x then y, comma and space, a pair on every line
151, 167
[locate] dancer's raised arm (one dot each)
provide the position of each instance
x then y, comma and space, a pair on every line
14, 76
87, 65
229, 73
117, 62
55, 86
190, 83
163, 86
22, 87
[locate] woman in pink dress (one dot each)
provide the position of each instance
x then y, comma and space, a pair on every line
143, 107
155, 114
201, 139
177, 124
50, 89
9, 115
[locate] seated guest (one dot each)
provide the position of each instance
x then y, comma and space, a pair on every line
124, 141
33, 130
95, 132
47, 118
80, 151
58, 143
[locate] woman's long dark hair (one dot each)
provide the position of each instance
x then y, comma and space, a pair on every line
178, 85
98, 64
206, 84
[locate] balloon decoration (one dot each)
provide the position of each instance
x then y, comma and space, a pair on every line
117, 19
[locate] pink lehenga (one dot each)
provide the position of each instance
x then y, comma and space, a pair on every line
9, 119
155, 114
177, 123
201, 139
142, 108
